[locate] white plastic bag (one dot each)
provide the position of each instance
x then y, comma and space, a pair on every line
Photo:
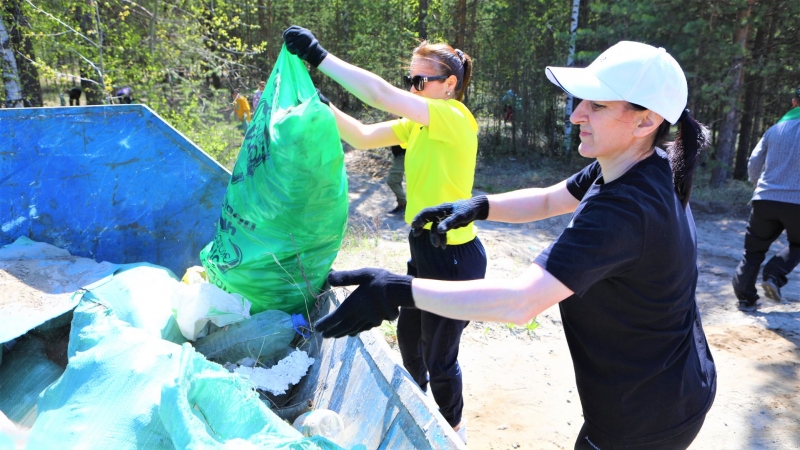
195, 305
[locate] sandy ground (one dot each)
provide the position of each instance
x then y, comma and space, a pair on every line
519, 384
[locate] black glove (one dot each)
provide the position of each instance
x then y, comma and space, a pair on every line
449, 216
378, 297
302, 43
322, 98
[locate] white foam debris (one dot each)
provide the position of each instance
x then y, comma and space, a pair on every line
11, 224
279, 377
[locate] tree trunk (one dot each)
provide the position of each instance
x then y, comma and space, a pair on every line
94, 92
730, 122
746, 125
470, 40
10, 73
764, 81
423, 17
461, 31
573, 29
28, 75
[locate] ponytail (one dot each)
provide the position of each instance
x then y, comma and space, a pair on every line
467, 65
691, 139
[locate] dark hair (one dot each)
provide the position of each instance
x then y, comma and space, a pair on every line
452, 62
691, 139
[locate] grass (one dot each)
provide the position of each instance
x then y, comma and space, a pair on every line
495, 175
733, 193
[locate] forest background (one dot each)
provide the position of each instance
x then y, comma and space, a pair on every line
183, 58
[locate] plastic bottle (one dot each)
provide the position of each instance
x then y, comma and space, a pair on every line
320, 422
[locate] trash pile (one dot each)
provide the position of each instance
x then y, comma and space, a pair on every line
127, 356
132, 379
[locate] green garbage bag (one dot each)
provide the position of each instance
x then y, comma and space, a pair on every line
285, 210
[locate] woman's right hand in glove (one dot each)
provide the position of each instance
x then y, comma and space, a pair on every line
301, 42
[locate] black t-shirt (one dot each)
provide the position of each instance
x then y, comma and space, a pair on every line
642, 365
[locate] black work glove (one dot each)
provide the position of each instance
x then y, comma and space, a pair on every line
378, 297
322, 98
449, 216
302, 43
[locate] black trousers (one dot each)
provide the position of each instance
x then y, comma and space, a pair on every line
429, 342
589, 440
768, 219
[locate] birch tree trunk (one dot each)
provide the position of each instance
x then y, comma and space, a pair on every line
573, 29
10, 73
28, 74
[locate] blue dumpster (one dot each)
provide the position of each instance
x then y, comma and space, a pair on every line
118, 184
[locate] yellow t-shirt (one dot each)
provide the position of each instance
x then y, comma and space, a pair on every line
440, 160
241, 107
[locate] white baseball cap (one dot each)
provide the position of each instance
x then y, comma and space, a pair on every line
630, 71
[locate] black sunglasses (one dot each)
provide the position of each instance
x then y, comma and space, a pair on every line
419, 81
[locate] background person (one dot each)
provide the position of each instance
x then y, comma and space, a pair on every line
623, 272
774, 168
441, 138
74, 96
395, 178
124, 95
257, 94
508, 109
241, 109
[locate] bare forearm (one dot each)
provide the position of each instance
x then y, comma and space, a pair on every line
368, 87
516, 301
349, 128
362, 136
528, 205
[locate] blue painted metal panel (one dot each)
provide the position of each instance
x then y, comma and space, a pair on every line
380, 405
112, 183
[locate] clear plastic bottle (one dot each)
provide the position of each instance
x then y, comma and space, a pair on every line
320, 422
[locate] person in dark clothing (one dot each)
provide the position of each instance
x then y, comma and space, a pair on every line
124, 95
395, 178
774, 168
75, 96
623, 272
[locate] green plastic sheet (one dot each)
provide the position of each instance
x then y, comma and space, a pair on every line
285, 210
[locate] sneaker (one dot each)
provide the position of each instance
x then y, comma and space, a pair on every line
399, 209
750, 306
771, 289
461, 431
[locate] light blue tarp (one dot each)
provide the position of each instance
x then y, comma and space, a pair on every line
127, 388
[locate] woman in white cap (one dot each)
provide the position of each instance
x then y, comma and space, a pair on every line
623, 272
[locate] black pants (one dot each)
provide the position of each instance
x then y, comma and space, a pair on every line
768, 219
589, 440
428, 342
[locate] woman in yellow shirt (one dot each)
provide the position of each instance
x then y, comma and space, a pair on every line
242, 109
441, 139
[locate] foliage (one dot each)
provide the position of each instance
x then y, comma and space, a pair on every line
184, 56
